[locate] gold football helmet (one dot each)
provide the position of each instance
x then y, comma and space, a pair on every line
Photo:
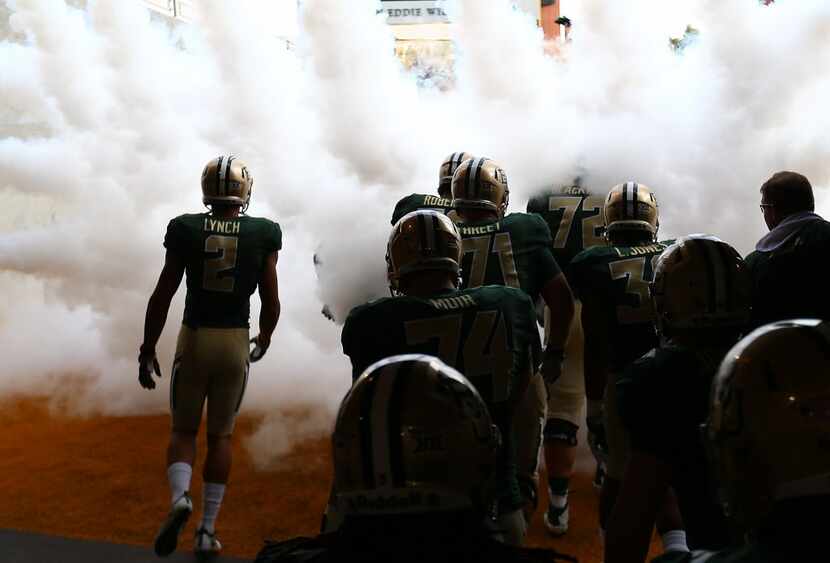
422, 240
413, 435
226, 180
448, 168
630, 207
769, 423
700, 282
480, 183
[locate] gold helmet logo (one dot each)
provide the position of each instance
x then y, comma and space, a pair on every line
480, 183
422, 240
448, 168
700, 282
630, 207
226, 181
769, 421
412, 436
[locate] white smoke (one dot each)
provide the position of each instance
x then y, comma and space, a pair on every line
108, 115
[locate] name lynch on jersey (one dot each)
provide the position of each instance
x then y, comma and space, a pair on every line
224, 227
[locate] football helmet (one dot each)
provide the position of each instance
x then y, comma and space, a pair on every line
226, 180
630, 207
448, 168
413, 435
768, 430
480, 183
700, 282
422, 240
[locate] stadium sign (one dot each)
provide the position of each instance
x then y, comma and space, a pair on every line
414, 11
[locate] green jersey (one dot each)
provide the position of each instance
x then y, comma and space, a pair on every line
514, 251
574, 218
616, 278
487, 333
414, 202
223, 260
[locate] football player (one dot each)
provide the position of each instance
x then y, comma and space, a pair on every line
701, 293
415, 455
574, 217
767, 432
488, 333
514, 250
226, 256
612, 282
443, 202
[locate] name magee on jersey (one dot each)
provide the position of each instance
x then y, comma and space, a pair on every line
479, 230
224, 227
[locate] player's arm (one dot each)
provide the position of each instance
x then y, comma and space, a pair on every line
558, 297
644, 487
595, 326
269, 314
156, 316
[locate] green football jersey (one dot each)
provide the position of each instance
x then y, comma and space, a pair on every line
574, 218
414, 202
223, 259
514, 251
617, 278
488, 334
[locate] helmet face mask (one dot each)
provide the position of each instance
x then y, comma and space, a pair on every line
226, 181
446, 171
768, 431
480, 183
413, 436
420, 241
700, 282
630, 210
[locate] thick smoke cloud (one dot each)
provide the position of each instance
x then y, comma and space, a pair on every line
108, 114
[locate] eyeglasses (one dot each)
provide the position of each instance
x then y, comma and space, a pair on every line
765, 205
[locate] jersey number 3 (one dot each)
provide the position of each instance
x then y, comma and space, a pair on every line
633, 271
226, 247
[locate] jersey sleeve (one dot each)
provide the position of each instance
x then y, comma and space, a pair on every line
175, 239
403, 207
273, 237
350, 339
540, 236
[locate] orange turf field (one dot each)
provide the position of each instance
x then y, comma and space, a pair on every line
104, 478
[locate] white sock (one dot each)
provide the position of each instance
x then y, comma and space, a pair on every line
211, 501
178, 475
674, 540
559, 501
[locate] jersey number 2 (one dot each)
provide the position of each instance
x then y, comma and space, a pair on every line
226, 247
569, 205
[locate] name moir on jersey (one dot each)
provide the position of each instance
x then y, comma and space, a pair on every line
219, 226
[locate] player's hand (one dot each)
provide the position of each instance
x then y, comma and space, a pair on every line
261, 344
552, 365
147, 365
597, 439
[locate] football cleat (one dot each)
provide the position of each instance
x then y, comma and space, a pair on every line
556, 519
205, 544
168, 535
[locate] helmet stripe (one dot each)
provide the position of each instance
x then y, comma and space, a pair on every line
711, 276
624, 201
429, 223
479, 165
422, 231
228, 174
728, 282
469, 179
219, 175
381, 461
394, 429
366, 439
634, 200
